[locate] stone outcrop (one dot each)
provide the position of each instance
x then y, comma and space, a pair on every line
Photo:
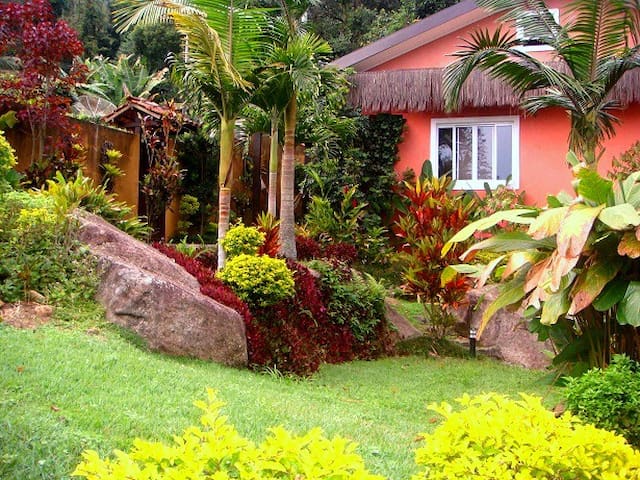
506, 336
148, 293
405, 330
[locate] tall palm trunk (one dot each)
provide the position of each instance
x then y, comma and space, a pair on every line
287, 220
273, 165
224, 195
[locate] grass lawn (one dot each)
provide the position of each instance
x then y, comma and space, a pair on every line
63, 390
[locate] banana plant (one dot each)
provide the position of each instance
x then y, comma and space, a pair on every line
575, 270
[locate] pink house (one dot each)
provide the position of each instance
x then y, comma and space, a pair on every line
489, 139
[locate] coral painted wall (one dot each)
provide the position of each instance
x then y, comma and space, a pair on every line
543, 138
543, 147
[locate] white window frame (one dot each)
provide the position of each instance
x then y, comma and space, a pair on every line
478, 184
555, 12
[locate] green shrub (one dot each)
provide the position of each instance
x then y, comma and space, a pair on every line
609, 398
216, 450
39, 252
242, 240
258, 280
354, 299
81, 191
495, 438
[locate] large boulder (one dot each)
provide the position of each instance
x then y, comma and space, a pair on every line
147, 292
507, 336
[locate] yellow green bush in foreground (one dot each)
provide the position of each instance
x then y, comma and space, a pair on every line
492, 438
217, 451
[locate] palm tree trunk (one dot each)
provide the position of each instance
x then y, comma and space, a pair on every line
224, 194
287, 220
273, 166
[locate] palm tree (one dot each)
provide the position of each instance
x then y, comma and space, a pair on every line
594, 50
272, 97
296, 59
225, 46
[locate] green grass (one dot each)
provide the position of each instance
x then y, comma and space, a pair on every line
63, 390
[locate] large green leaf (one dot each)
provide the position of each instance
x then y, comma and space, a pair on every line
592, 187
628, 190
510, 293
575, 229
620, 217
548, 223
556, 304
518, 215
629, 307
611, 295
591, 281
509, 242
452, 271
488, 270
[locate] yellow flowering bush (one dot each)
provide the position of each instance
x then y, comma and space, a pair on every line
495, 438
258, 280
216, 451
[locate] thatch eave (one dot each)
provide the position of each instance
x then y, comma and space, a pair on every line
420, 90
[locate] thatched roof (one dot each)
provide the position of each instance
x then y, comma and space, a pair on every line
420, 90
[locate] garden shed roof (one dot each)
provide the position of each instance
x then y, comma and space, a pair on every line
127, 114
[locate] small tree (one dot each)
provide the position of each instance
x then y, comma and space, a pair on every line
39, 89
433, 214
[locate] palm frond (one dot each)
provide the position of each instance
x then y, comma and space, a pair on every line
599, 30
129, 13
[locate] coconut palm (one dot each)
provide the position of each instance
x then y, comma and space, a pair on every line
225, 46
593, 51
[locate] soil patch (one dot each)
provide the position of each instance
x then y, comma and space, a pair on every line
25, 314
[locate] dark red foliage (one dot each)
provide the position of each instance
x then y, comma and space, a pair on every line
344, 252
307, 248
294, 335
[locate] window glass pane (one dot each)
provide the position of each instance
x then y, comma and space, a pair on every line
445, 150
464, 152
485, 152
505, 150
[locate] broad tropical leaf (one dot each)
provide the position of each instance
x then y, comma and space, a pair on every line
611, 295
590, 283
556, 305
628, 312
548, 223
521, 215
593, 187
620, 217
629, 245
510, 241
452, 271
575, 229
511, 293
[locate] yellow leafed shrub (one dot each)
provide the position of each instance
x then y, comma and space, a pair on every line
258, 280
494, 438
216, 451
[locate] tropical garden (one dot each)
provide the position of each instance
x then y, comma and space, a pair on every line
332, 390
